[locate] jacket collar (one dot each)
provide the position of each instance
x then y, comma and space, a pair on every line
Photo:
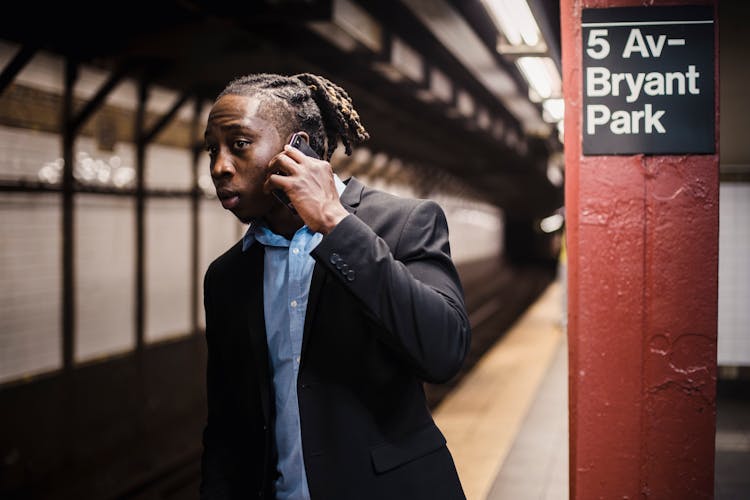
352, 195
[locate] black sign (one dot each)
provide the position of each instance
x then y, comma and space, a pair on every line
648, 80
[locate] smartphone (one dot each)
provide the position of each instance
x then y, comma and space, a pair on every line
297, 141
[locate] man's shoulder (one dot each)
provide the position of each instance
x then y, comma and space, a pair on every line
227, 260
375, 202
372, 197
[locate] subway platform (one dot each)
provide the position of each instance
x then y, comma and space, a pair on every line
506, 422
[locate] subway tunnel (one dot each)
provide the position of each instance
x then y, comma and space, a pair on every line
110, 220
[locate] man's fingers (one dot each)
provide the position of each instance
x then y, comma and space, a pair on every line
276, 181
284, 164
295, 153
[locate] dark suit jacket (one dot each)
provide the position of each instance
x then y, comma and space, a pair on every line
385, 313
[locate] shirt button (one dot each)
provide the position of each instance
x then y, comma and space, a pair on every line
297, 359
293, 303
295, 251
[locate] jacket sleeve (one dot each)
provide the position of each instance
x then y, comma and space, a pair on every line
412, 290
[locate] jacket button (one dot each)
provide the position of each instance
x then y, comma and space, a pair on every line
350, 275
344, 268
335, 258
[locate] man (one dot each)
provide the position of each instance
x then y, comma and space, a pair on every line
323, 322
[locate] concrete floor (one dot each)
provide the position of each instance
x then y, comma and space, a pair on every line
507, 422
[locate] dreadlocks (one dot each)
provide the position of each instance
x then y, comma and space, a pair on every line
305, 102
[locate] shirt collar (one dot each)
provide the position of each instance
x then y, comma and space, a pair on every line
257, 230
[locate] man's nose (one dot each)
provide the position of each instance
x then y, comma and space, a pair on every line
222, 165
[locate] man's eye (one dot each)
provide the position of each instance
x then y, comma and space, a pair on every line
240, 144
211, 150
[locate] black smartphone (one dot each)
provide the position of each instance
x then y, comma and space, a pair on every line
297, 141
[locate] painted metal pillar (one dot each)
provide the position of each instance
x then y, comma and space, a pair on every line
642, 241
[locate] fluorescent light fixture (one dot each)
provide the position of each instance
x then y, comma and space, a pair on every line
498, 130
522, 147
403, 63
555, 175
349, 26
452, 30
388, 71
515, 20
425, 95
440, 88
459, 38
554, 110
483, 119
406, 60
464, 104
552, 223
335, 35
378, 162
361, 155
511, 138
541, 74
440, 85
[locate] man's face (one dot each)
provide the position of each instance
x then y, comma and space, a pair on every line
240, 144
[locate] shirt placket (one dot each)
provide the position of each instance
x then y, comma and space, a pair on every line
297, 305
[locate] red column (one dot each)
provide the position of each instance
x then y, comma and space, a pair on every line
642, 295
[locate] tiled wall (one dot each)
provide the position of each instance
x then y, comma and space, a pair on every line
104, 238
104, 250
168, 268
30, 278
734, 274
475, 228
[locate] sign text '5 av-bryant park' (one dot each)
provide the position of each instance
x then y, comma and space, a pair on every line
648, 80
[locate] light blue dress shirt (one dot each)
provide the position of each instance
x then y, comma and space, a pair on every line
287, 273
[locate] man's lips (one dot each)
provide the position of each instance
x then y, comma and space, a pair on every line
229, 199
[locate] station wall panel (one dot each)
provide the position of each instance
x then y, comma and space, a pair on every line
167, 268
104, 275
734, 274
30, 284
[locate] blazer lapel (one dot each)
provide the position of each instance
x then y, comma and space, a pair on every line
256, 323
350, 198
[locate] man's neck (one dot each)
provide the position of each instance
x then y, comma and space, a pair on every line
283, 222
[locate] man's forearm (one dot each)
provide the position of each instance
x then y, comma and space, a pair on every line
416, 295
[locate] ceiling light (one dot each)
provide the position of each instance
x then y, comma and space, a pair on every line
483, 119
498, 129
406, 60
552, 223
439, 88
541, 74
554, 110
350, 25
464, 104
515, 20
403, 62
440, 85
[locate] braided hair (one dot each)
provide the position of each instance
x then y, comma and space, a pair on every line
305, 102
